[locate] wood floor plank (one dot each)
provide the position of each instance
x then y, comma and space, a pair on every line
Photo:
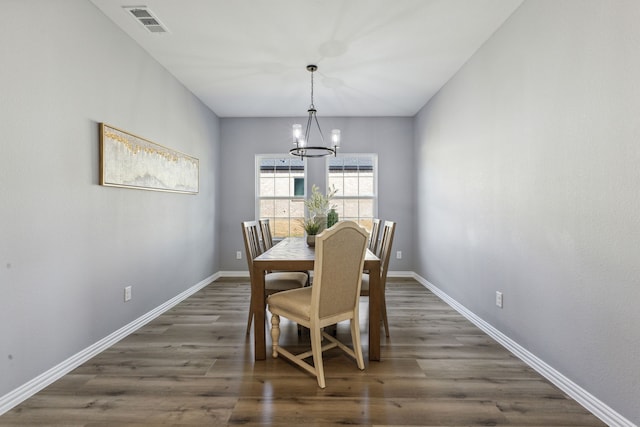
194, 366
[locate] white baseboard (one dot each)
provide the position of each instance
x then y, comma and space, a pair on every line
580, 395
410, 274
235, 273
25, 391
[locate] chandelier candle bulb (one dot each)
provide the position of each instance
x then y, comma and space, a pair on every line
297, 132
335, 137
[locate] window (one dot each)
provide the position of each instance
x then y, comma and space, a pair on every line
280, 184
355, 178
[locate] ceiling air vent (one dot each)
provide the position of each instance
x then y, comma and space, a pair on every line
147, 19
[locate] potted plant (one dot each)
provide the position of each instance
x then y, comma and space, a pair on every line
311, 227
319, 208
318, 205
332, 218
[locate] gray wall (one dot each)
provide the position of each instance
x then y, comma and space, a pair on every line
390, 137
528, 178
67, 245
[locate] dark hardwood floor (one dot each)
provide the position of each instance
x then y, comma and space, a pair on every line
193, 366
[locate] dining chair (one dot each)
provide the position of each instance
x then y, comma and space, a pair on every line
273, 281
388, 230
375, 235
334, 297
267, 242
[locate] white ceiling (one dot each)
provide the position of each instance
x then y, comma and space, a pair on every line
248, 58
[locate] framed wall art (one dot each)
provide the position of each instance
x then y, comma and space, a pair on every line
127, 160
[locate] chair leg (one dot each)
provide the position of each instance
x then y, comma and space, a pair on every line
275, 334
316, 349
384, 317
357, 345
249, 321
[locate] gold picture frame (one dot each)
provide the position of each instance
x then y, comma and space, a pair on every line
129, 161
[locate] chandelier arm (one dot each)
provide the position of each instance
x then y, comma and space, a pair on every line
307, 132
319, 130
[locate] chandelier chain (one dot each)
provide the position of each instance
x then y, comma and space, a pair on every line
312, 106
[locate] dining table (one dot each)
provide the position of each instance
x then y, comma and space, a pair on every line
293, 254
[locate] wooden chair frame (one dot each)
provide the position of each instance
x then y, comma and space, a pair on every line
375, 235
265, 230
386, 242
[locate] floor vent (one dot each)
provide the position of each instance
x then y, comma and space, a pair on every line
147, 19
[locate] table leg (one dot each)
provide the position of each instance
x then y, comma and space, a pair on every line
375, 306
258, 307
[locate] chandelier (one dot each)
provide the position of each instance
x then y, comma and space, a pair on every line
302, 146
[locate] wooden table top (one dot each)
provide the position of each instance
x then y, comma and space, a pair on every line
295, 249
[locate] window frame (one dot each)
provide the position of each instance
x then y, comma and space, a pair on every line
258, 198
374, 160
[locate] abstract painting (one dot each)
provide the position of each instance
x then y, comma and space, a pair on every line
127, 160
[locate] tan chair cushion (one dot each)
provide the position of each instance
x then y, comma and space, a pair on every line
294, 301
280, 281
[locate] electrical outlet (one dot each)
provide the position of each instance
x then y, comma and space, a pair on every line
399, 255
238, 255
127, 293
499, 299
